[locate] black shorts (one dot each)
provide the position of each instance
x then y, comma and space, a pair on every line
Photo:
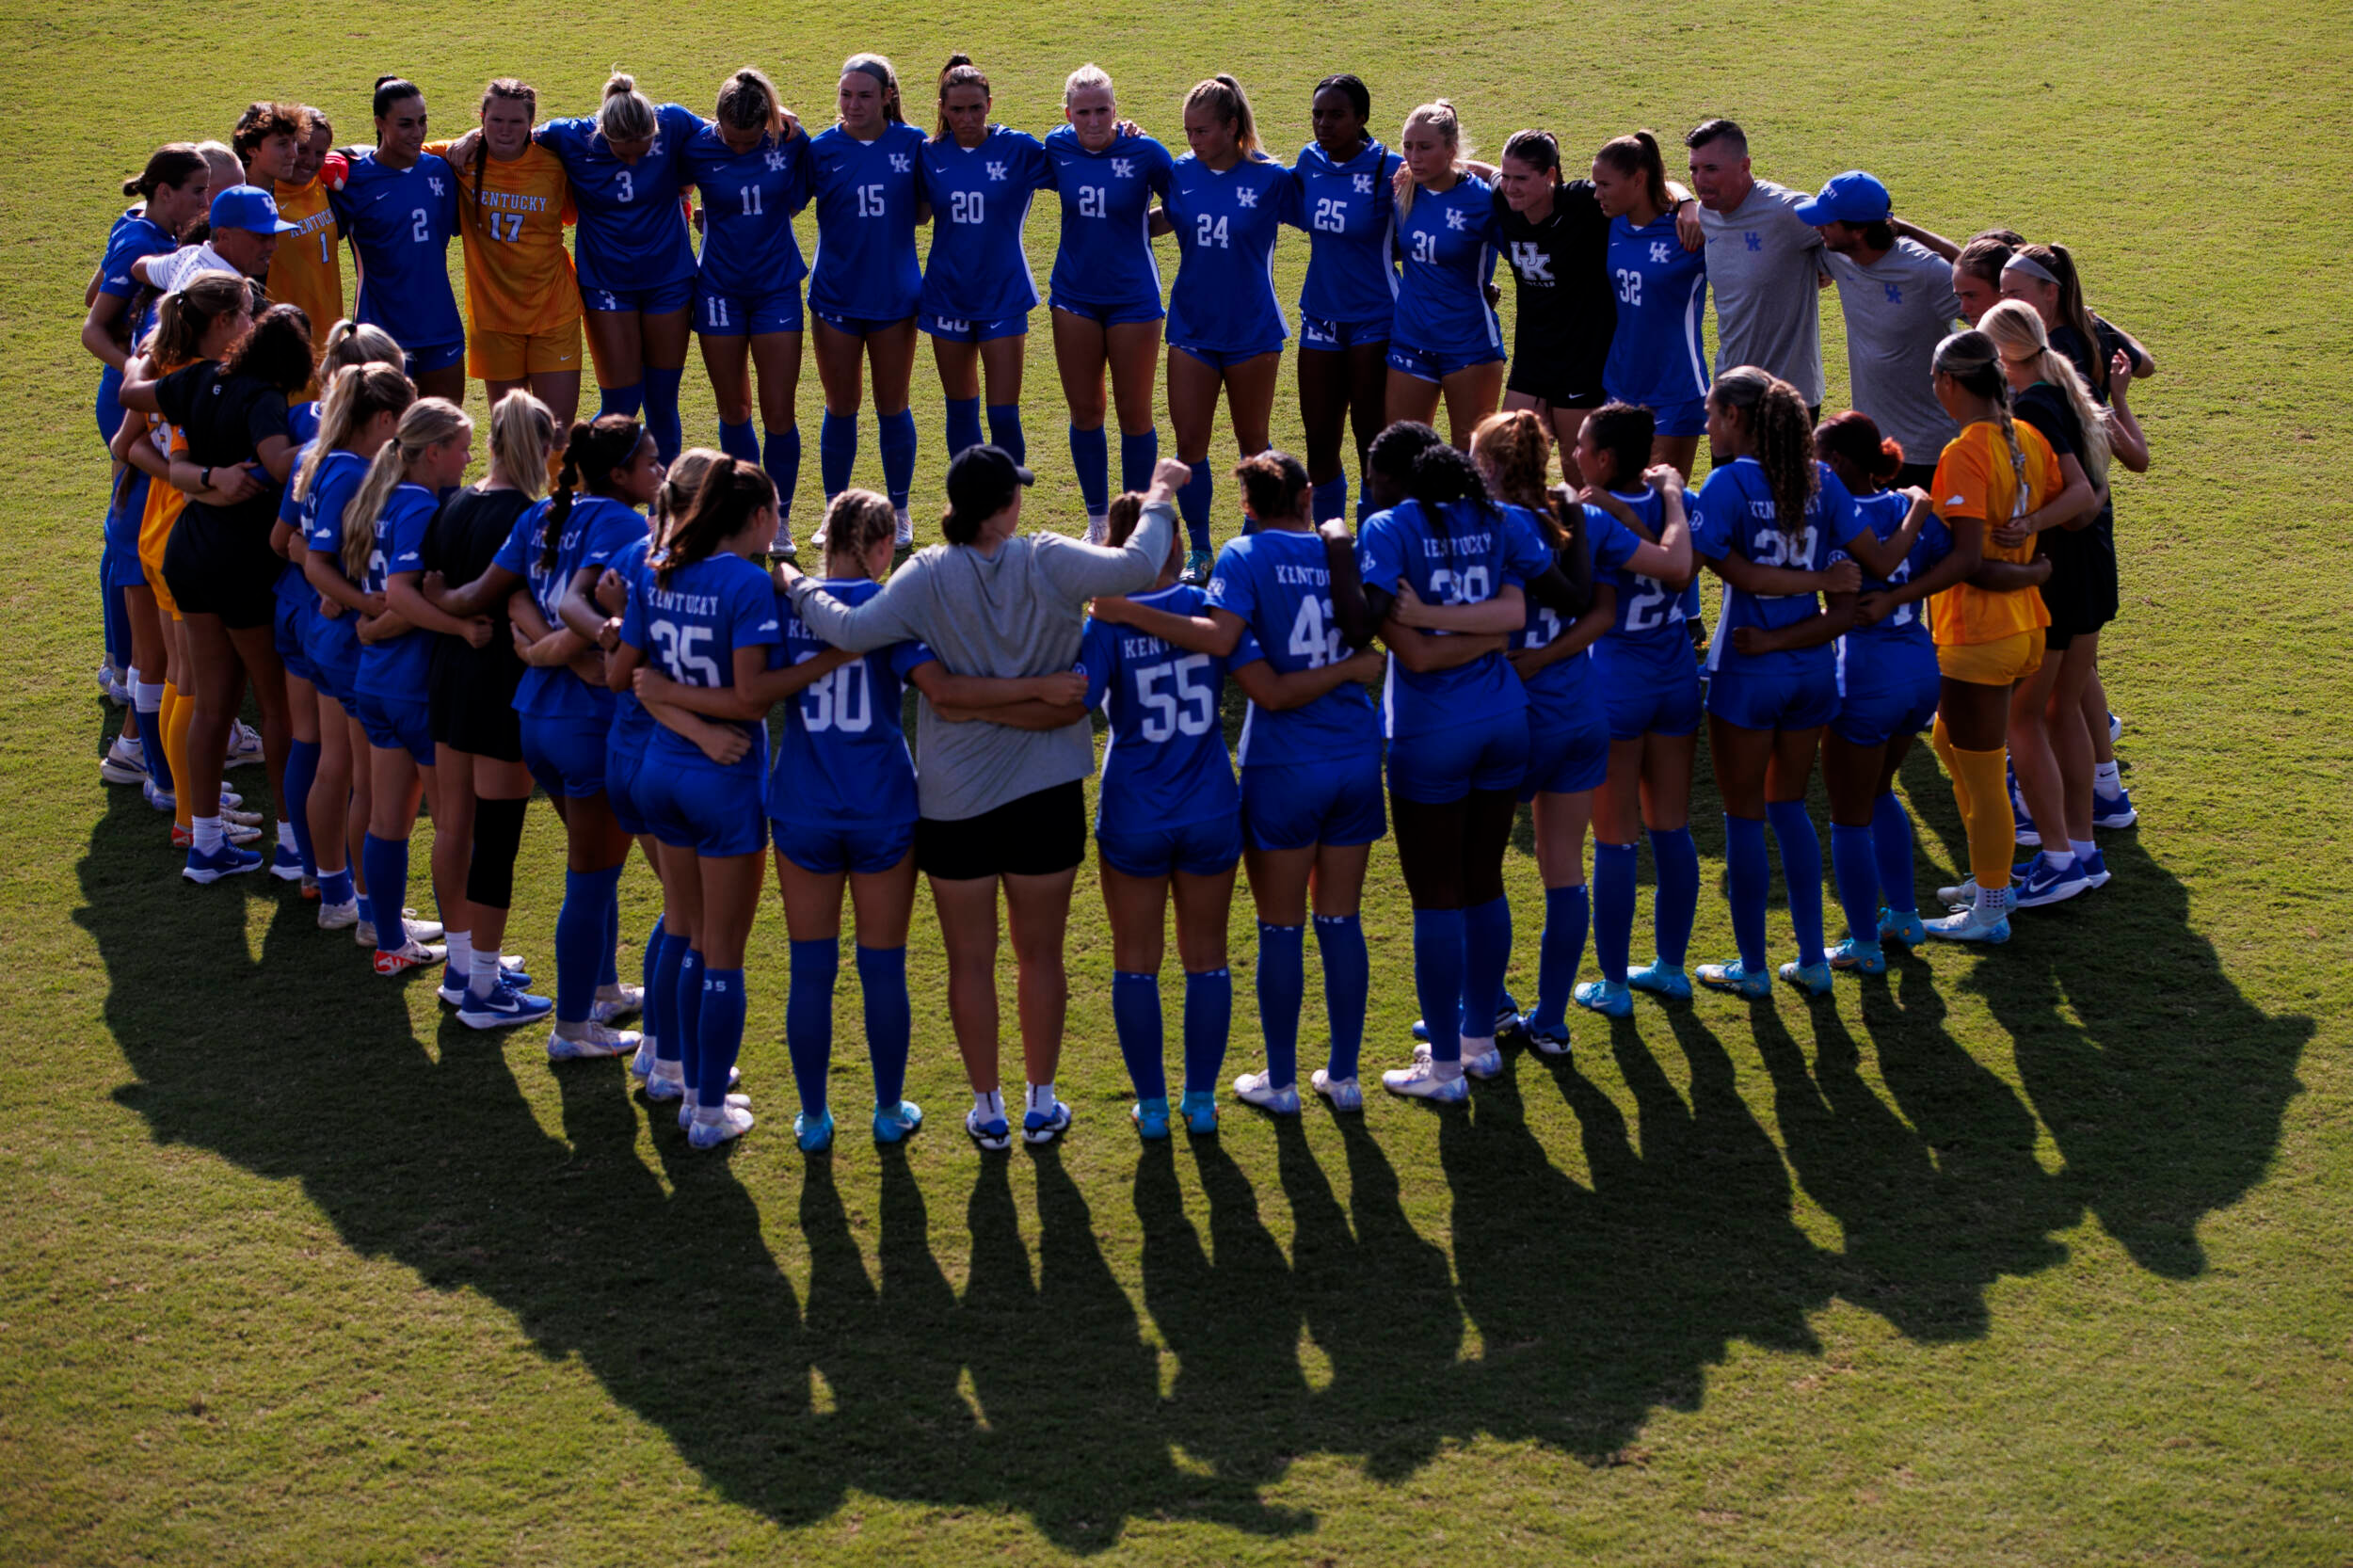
2081, 593
1561, 377
214, 569
1037, 835
473, 715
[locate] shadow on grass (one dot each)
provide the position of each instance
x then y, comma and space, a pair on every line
1037, 1389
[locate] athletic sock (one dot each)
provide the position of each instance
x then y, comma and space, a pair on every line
1347, 980
1561, 951
1194, 502
964, 423
1801, 869
580, 931
179, 715
1209, 1023
620, 400
647, 962
1331, 498
1487, 959
690, 1017
608, 953
837, 451
286, 834
302, 769
1614, 909
1854, 864
2060, 860
780, 454
1004, 430
207, 833
1438, 979
1037, 1099
1282, 982
896, 433
459, 956
882, 976
335, 887
719, 1033
1746, 874
482, 973
148, 697
809, 1018
661, 998
1891, 848
988, 1105
367, 905
1090, 454
739, 441
1139, 455
1985, 811
1676, 902
2105, 779
662, 421
1136, 1020
387, 863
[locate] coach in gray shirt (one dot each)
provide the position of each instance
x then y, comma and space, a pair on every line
1899, 304
1764, 262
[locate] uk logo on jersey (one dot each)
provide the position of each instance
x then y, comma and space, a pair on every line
1247, 196
1364, 184
902, 164
997, 171
1659, 254
1456, 218
1531, 263
434, 181
775, 163
1895, 294
1123, 168
1756, 241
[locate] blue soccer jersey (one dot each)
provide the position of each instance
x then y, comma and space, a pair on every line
397, 667
133, 238
1734, 513
1278, 583
399, 221
595, 531
842, 758
633, 726
1462, 556
338, 480
690, 627
1165, 762
1649, 623
1349, 212
748, 202
866, 194
1226, 224
1447, 240
1104, 261
1658, 357
980, 198
1563, 683
632, 232
1883, 512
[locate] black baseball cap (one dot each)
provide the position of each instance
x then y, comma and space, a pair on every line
981, 479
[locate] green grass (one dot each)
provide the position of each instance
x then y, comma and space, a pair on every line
2030, 1257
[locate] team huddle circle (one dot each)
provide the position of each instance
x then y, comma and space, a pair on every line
1476, 587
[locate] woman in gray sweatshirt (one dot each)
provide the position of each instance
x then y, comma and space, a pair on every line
1001, 798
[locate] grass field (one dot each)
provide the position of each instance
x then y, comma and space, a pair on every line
2029, 1256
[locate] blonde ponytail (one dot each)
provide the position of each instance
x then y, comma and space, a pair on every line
428, 422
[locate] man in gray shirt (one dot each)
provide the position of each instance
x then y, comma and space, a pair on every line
1899, 304
1764, 262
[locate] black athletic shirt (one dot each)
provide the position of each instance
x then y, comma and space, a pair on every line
1564, 308
2069, 343
226, 419
2047, 408
465, 533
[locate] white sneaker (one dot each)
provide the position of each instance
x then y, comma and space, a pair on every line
125, 763
591, 1039
733, 1121
419, 931
686, 1108
641, 1064
1421, 1081
1098, 528
1344, 1093
666, 1082
616, 1001
1258, 1089
1483, 1065
336, 917
244, 745
906, 530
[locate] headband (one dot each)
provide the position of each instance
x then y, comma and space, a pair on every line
2020, 261
872, 68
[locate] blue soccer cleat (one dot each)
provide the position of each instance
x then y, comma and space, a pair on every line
1609, 997
814, 1134
1662, 980
1970, 925
1199, 1109
1738, 979
895, 1123
1151, 1119
1815, 980
1902, 926
1857, 957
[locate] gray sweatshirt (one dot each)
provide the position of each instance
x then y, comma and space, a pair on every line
1019, 611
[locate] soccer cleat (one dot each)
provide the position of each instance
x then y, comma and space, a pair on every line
1860, 957
285, 864
1196, 568
1967, 925
228, 860
1151, 1118
245, 746
1508, 1021
903, 537
414, 956
670, 1085
335, 917
641, 1064
1901, 927
1344, 1093
419, 931
310, 888
589, 1040
992, 1134
1736, 977
625, 998
2046, 886
1045, 1127
1258, 1089
1661, 980
784, 549
1098, 528
687, 1107
502, 1008
2113, 811
733, 1122
125, 763
2095, 869
1609, 997
1965, 895
1199, 1109
814, 1136
1421, 1081
896, 1124
160, 799
231, 817
235, 832
1549, 1042
1812, 979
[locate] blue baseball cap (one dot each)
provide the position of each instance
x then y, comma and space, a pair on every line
250, 208
1853, 197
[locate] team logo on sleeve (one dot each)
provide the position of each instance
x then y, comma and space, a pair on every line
1364, 184
997, 171
1123, 168
1456, 218
1247, 196
1659, 254
902, 164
